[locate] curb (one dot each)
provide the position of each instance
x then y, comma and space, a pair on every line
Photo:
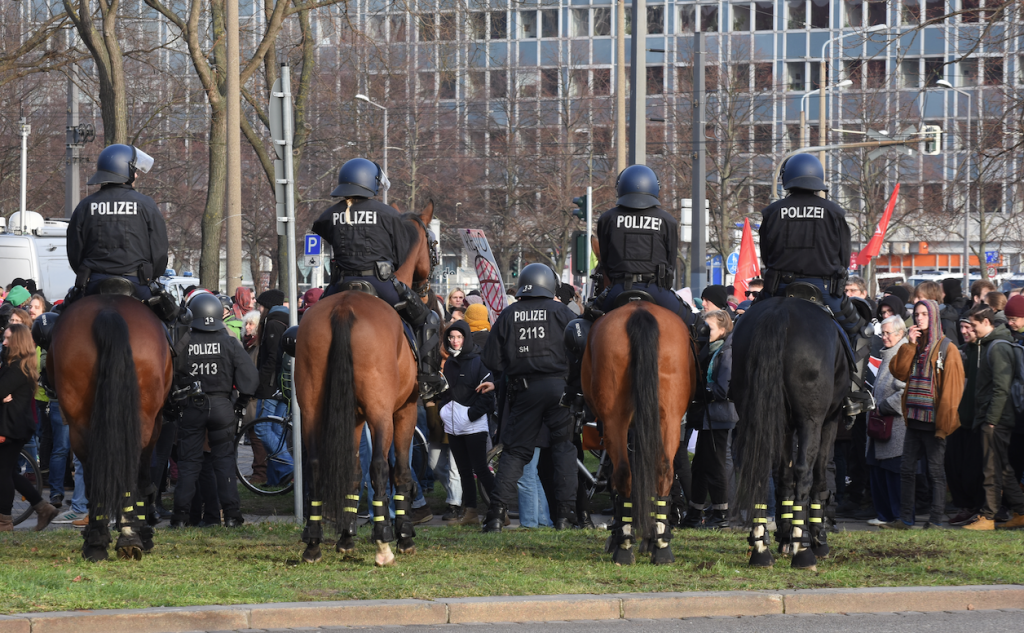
520, 609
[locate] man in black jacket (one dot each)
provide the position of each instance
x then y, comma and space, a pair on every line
218, 361
273, 323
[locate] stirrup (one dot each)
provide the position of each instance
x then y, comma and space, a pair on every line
856, 403
431, 385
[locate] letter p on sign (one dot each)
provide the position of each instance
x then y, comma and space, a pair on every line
312, 245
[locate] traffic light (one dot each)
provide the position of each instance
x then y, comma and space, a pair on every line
933, 142
579, 264
514, 268
581, 207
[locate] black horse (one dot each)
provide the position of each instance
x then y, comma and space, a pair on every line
791, 374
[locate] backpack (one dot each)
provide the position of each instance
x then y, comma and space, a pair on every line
1017, 385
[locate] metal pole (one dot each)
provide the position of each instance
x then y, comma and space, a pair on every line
233, 184
590, 220
822, 79
293, 299
638, 86
384, 198
967, 208
72, 183
698, 263
621, 140
25, 129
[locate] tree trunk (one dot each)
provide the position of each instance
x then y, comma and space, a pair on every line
213, 215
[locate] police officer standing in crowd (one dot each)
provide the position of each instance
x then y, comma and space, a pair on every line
218, 361
525, 346
637, 243
370, 242
805, 238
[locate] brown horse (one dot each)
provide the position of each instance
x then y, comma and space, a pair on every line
638, 374
110, 364
354, 365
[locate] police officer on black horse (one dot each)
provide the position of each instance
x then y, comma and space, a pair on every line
219, 362
526, 346
117, 244
369, 239
805, 239
638, 243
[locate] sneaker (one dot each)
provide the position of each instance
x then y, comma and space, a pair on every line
933, 526
876, 522
964, 517
82, 522
898, 524
1016, 522
421, 514
981, 524
71, 517
451, 513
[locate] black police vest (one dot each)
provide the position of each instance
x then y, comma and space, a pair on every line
638, 242
805, 235
210, 361
361, 235
527, 338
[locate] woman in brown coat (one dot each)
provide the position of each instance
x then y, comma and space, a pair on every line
934, 374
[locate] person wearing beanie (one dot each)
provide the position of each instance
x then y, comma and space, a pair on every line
715, 295
270, 298
309, 299
890, 305
1014, 312
476, 318
18, 296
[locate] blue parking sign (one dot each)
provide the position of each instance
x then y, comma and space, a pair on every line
312, 244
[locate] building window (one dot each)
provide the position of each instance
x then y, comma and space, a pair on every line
398, 28
687, 18
580, 22
854, 10
655, 20
527, 24
910, 73
853, 69
764, 16
740, 17
797, 14
969, 72
549, 23
602, 22
602, 81
741, 77
878, 11
763, 76
933, 71
934, 10
478, 84
655, 80
427, 85
602, 140
499, 25
709, 19
549, 82
656, 138
911, 11
875, 73
763, 138
795, 76
478, 26
446, 87
820, 13
993, 71
428, 32
499, 84
578, 82
449, 30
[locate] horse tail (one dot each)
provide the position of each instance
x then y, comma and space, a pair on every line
762, 424
338, 461
648, 451
114, 437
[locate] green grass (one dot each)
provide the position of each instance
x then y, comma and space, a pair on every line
259, 563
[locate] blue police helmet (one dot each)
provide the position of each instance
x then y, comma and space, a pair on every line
803, 171
537, 280
638, 187
360, 178
118, 164
207, 312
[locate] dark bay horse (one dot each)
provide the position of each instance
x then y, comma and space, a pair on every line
638, 373
110, 364
790, 376
353, 364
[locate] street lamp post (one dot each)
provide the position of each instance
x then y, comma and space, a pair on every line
823, 77
361, 97
967, 204
805, 141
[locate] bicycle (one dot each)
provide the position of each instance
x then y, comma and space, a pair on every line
281, 428
28, 467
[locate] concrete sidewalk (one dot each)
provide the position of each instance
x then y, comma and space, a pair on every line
307, 615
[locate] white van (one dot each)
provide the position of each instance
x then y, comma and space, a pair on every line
41, 253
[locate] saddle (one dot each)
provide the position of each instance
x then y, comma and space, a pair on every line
632, 295
358, 285
117, 286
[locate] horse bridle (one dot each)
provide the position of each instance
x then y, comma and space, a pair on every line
423, 288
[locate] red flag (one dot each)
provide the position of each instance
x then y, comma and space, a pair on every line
747, 268
875, 245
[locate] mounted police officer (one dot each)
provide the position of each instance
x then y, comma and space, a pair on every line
637, 245
805, 239
526, 347
370, 242
219, 362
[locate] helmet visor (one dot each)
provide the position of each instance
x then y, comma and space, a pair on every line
384, 182
143, 161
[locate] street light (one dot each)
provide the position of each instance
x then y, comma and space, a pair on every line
967, 205
804, 136
361, 97
822, 78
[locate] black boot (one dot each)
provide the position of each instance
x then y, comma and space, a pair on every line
859, 332
694, 518
427, 344
718, 520
497, 517
575, 339
584, 521
566, 516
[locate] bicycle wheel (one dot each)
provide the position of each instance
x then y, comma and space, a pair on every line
420, 455
270, 440
29, 469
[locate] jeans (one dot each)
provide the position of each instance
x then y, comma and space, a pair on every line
916, 444
11, 477
885, 493
533, 504
59, 454
279, 460
79, 503
1000, 478
447, 472
366, 455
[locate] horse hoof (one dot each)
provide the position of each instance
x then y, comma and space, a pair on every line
312, 554
805, 559
131, 552
761, 559
94, 554
662, 556
821, 551
384, 561
624, 556
147, 546
406, 547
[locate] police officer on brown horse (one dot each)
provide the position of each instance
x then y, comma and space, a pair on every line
370, 240
637, 243
805, 240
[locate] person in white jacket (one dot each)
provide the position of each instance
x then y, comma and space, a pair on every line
465, 410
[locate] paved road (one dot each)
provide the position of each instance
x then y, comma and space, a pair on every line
1006, 621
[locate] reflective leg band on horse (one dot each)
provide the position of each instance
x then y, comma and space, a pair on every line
383, 532
661, 553
760, 555
403, 512
347, 527
620, 543
784, 534
803, 557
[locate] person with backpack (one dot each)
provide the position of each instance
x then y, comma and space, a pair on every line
933, 371
995, 416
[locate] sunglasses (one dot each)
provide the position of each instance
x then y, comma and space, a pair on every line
751, 292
